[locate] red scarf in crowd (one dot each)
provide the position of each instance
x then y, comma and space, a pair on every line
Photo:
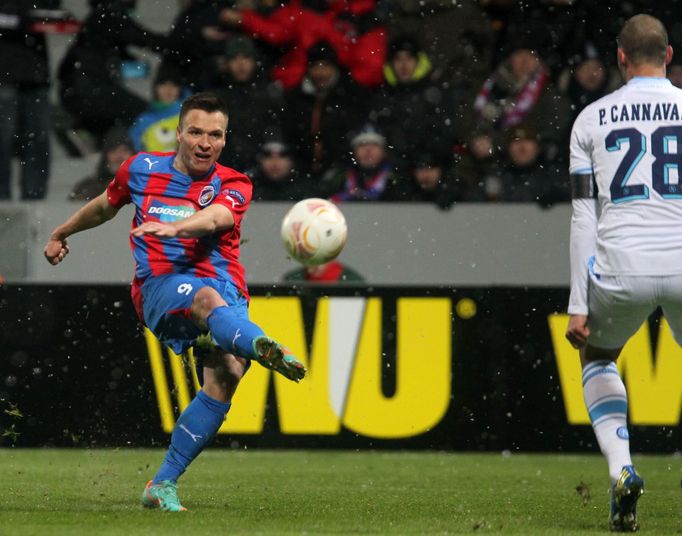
522, 102
371, 190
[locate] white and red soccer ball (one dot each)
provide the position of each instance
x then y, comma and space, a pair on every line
314, 231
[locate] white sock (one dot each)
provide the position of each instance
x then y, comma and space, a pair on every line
607, 404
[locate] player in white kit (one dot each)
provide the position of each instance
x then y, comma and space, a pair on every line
626, 237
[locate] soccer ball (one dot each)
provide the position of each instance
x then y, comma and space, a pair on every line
314, 231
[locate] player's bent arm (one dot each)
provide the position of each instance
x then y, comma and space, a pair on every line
92, 214
208, 220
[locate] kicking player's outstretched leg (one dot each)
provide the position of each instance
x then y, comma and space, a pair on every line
234, 332
194, 429
243, 337
607, 405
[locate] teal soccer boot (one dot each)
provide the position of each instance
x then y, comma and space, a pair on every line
273, 355
163, 496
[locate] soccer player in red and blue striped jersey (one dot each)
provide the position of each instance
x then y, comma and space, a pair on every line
188, 280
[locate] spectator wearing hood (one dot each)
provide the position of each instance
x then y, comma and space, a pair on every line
253, 104
321, 114
116, 149
90, 74
525, 176
431, 181
413, 114
587, 79
370, 176
275, 177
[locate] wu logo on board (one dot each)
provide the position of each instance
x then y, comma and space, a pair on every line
343, 386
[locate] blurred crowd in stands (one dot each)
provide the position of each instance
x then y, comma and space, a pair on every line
439, 101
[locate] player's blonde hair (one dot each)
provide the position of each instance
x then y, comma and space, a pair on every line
644, 39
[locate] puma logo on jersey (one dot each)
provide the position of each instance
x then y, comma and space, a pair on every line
151, 162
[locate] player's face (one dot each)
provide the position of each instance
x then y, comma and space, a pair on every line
201, 137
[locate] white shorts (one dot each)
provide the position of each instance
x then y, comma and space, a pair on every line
618, 305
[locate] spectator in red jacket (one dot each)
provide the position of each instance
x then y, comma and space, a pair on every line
349, 26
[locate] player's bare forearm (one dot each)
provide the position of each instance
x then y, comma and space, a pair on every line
207, 221
94, 213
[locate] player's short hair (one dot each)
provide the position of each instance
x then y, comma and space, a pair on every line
644, 39
206, 101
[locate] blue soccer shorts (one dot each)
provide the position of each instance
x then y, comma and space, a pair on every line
167, 302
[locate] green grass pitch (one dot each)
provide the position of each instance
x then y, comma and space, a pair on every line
51, 492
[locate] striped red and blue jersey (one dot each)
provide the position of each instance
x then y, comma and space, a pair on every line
162, 193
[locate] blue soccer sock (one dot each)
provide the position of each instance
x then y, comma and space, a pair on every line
607, 405
232, 333
194, 429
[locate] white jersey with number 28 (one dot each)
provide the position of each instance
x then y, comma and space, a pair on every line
631, 140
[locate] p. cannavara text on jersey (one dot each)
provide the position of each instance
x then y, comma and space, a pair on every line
636, 131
